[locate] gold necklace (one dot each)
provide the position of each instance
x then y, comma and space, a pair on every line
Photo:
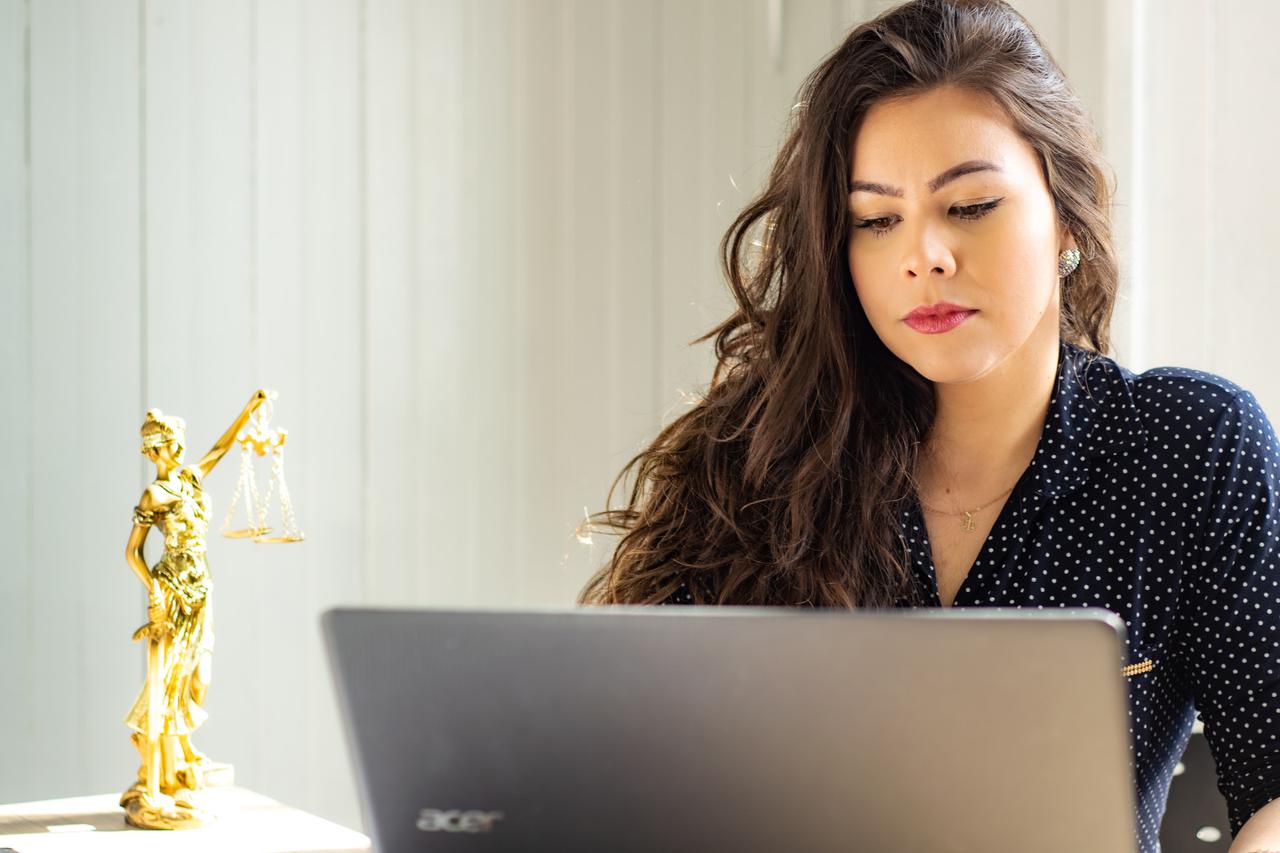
966, 516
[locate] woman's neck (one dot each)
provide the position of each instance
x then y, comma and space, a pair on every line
985, 432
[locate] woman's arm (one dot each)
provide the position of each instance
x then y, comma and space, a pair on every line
1229, 649
1262, 833
223, 444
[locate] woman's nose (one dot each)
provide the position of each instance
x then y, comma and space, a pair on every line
926, 254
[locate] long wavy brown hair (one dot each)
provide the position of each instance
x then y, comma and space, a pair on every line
782, 485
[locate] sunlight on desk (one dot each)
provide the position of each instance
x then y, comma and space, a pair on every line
247, 823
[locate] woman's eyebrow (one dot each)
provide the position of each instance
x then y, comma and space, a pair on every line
936, 184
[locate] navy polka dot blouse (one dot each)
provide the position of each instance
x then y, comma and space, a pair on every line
1152, 495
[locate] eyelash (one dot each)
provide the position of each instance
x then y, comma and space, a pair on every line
975, 211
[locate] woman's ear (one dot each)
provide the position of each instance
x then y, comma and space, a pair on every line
1066, 240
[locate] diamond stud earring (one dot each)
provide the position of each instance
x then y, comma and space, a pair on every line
1068, 261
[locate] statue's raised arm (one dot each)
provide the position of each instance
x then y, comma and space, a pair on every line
228, 438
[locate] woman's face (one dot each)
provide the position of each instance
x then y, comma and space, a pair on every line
987, 240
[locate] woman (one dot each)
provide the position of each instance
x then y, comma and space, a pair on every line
179, 629
912, 405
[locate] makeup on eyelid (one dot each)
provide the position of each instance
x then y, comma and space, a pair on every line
970, 212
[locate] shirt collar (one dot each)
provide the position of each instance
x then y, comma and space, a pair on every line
1092, 413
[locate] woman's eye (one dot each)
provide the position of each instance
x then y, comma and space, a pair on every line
882, 225
976, 211
873, 225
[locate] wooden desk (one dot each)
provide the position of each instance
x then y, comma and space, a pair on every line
247, 823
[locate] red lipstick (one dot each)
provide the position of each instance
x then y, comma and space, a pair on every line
938, 317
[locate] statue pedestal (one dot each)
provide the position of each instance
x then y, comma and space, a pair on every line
247, 823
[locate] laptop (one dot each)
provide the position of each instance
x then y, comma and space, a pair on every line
738, 729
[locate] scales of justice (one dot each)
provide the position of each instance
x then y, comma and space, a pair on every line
179, 629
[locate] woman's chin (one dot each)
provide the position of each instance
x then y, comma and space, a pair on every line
951, 368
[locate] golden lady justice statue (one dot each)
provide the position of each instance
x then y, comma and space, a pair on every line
179, 629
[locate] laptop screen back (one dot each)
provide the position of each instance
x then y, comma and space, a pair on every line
744, 729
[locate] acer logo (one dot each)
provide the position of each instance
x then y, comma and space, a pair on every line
456, 820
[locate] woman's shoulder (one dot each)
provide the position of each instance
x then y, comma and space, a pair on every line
1203, 410
1165, 387
1184, 414
1176, 398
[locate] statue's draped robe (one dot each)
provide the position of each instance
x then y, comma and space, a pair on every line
183, 578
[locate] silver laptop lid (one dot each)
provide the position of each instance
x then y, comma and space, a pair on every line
743, 729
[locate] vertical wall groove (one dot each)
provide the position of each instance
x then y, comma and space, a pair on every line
747, 79
79, 605
569, 264
417, 458
1063, 47
300, 116
143, 325
1208, 279
254, 201
362, 181
656, 404
1137, 210
29, 455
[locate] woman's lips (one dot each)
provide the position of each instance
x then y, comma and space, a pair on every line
934, 324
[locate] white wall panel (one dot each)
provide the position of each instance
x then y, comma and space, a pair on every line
1237, 199
491, 564
547, 170
443, 535
106, 380
391, 439
56, 348
582, 308
1118, 117
330, 472
81, 603
1177, 98
18, 662
1201, 214
703, 97
807, 33
281, 618
599, 244
628, 389
201, 315
564, 206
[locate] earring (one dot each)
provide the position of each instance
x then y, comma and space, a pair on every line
1067, 262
